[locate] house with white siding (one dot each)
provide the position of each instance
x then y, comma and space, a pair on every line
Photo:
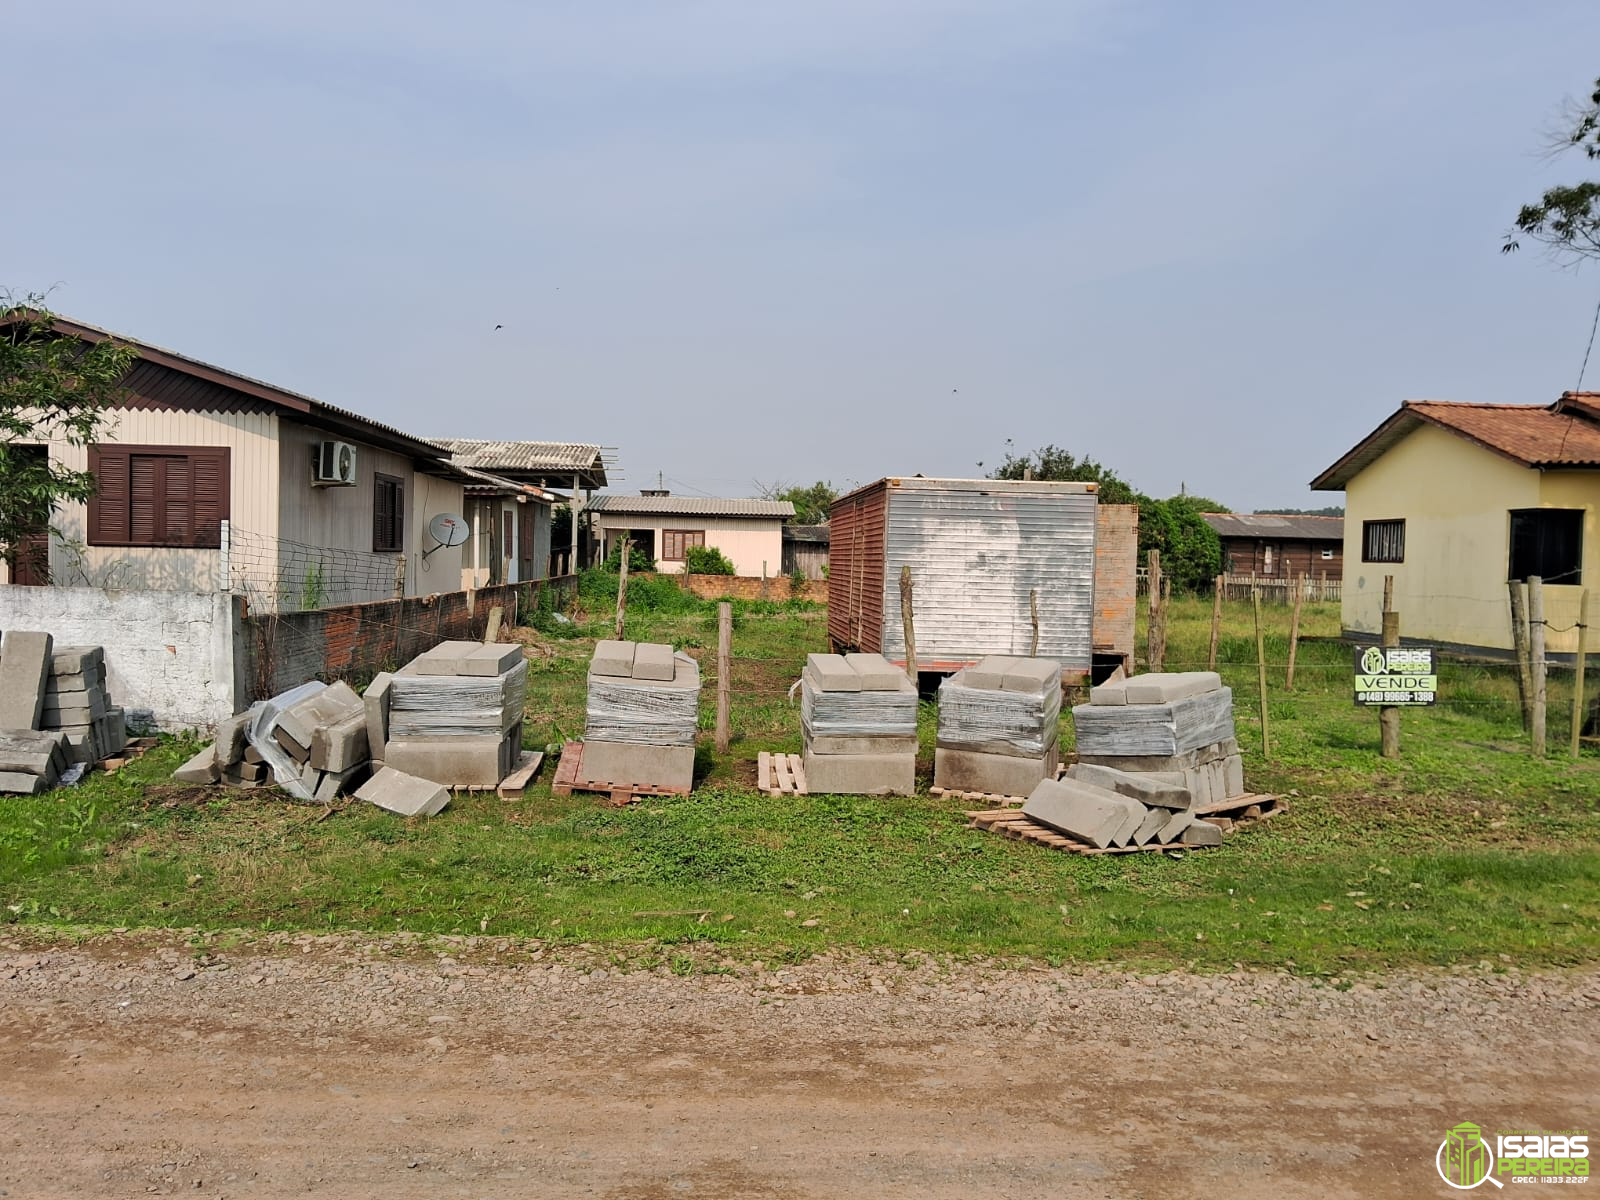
209, 479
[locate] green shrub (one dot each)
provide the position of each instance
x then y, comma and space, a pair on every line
797, 582
706, 560
638, 559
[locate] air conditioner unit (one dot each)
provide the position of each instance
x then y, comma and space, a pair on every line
336, 465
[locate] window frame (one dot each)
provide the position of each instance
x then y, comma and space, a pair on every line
1327, 554
1368, 528
200, 537
1573, 578
685, 536
381, 482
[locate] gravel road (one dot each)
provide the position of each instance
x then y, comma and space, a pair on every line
348, 1066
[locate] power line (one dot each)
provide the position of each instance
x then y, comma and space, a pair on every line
1592, 327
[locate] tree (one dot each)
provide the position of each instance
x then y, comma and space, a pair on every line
1052, 462
1566, 218
1191, 552
811, 504
53, 390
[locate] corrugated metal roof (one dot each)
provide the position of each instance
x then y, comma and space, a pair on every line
1290, 526
818, 534
1563, 434
688, 506
485, 455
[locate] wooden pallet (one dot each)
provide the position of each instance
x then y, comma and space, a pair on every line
781, 774
992, 799
1238, 812
135, 748
514, 784
568, 780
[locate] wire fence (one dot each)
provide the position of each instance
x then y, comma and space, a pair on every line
1274, 589
278, 575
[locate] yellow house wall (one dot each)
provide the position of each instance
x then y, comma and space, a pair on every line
748, 543
1456, 499
253, 500
1574, 489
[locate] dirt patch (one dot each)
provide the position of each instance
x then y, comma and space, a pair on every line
401, 1067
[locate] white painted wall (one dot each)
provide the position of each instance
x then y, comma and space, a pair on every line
169, 655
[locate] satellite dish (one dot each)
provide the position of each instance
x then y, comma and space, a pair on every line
447, 529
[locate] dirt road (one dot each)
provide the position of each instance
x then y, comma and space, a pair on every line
346, 1067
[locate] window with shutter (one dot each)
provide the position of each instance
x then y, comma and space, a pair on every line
388, 514
675, 541
159, 496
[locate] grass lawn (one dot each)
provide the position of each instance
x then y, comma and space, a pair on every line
1466, 849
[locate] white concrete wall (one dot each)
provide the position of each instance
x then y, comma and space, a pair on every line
169, 654
748, 542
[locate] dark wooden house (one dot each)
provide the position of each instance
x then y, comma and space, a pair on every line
1274, 546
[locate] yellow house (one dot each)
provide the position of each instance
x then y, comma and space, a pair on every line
748, 532
1454, 500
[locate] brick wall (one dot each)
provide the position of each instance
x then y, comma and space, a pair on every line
355, 641
753, 587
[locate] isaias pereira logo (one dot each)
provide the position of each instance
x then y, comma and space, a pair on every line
1373, 661
1465, 1159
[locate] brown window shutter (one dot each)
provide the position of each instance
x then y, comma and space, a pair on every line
108, 507
209, 475
144, 499
176, 527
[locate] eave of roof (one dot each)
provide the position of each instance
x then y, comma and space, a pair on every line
1292, 526
338, 419
690, 506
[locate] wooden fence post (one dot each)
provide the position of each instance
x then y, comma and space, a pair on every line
400, 577
905, 618
1294, 630
1519, 644
1536, 659
1261, 675
1577, 676
1155, 651
1389, 714
622, 585
1216, 622
724, 673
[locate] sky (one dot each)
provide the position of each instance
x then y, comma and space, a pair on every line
1211, 246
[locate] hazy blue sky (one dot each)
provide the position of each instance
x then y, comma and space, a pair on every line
1210, 244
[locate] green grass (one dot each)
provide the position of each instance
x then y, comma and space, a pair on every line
1465, 849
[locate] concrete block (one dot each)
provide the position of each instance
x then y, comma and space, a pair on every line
1146, 764
989, 674
341, 746
652, 660
1202, 833
292, 748
29, 751
1173, 829
613, 658
407, 795
243, 774
252, 755
328, 707
490, 659
1000, 774
82, 746
1142, 788
1154, 820
76, 660
1233, 775
112, 730
20, 783
1084, 813
74, 708
202, 768
77, 682
1134, 814
453, 761
230, 742
375, 701
1109, 693
24, 664
1173, 728
831, 673
833, 743
1200, 786
443, 659
623, 763
877, 673
1163, 687
861, 774
333, 784
1031, 675
310, 778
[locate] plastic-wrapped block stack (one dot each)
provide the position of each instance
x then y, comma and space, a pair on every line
452, 715
644, 708
999, 726
858, 715
1155, 753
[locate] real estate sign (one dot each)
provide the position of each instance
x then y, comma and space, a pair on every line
1395, 676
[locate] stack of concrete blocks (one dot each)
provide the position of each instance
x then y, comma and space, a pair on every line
643, 710
61, 689
1155, 752
858, 717
232, 760
999, 726
452, 715
31, 760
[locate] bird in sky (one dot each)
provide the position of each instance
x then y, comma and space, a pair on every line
499, 326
